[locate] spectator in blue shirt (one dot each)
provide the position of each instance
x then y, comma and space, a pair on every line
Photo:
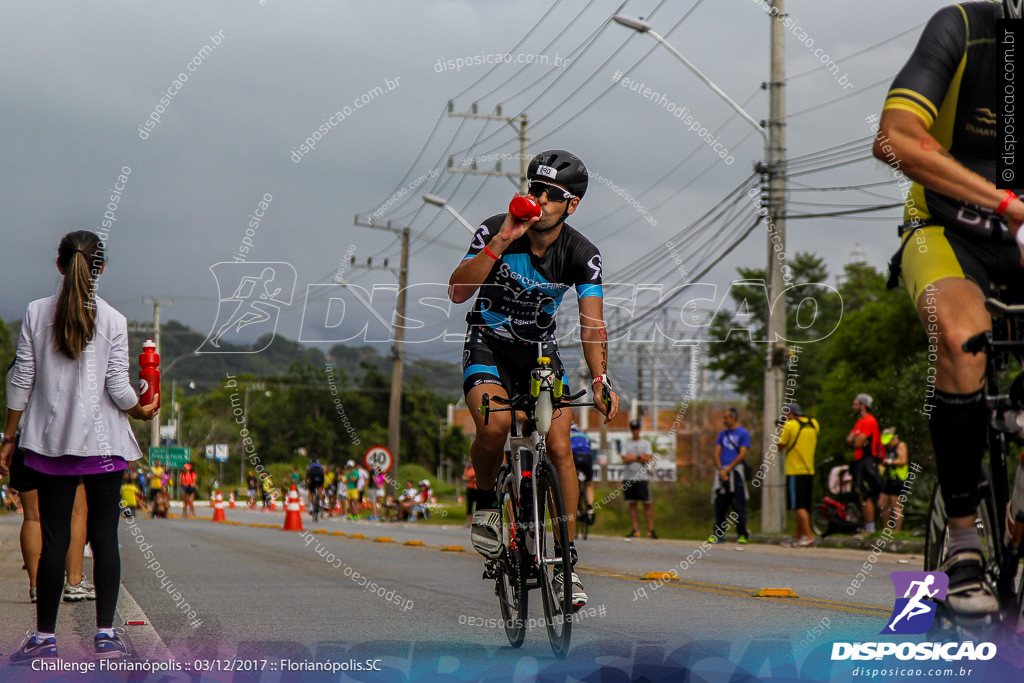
730, 486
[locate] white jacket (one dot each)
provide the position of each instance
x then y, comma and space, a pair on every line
73, 407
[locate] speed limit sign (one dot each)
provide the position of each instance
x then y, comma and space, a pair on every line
379, 458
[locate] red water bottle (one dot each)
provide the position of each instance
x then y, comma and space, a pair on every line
149, 372
523, 208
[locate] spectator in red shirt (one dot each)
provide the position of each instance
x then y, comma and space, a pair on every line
866, 441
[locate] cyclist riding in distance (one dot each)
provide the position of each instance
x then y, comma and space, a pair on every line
938, 127
314, 479
522, 269
583, 458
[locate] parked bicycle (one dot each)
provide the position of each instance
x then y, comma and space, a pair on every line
1000, 520
534, 525
838, 514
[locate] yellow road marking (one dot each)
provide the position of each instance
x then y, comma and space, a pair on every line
737, 591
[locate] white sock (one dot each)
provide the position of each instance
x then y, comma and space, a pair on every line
869, 527
109, 632
40, 636
964, 539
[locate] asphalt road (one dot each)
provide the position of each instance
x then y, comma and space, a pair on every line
263, 593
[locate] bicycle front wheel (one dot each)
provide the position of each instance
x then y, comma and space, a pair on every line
511, 582
554, 559
819, 519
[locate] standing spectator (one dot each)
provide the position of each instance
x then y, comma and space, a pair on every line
469, 476
70, 378
156, 485
251, 489
330, 490
129, 495
730, 486
364, 476
352, 489
637, 456
897, 462
800, 439
583, 458
187, 479
373, 486
866, 442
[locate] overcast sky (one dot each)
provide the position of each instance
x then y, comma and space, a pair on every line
80, 79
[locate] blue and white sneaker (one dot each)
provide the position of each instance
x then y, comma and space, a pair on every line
33, 648
111, 647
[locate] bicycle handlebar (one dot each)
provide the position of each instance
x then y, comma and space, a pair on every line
524, 402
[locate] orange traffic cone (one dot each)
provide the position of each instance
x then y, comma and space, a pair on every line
273, 502
231, 500
292, 516
218, 507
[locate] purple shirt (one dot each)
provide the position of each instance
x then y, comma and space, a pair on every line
74, 465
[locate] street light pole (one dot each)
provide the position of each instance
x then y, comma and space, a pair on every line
773, 514
443, 203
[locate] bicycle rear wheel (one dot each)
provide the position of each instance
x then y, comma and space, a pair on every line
554, 555
511, 581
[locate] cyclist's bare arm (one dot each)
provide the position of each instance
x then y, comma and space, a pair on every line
471, 273
595, 349
920, 157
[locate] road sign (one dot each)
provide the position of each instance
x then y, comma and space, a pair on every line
379, 458
221, 452
172, 456
169, 430
209, 451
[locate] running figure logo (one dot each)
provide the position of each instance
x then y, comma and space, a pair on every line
258, 291
915, 611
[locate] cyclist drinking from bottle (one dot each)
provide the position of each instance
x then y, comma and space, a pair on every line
939, 127
522, 269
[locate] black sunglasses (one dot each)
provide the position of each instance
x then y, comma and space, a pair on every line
555, 194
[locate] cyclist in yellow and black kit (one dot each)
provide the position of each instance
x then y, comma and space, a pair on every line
939, 127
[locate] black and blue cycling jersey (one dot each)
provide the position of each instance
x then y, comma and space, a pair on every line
520, 296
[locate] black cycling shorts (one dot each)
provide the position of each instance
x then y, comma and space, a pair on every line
584, 465
798, 491
867, 482
489, 360
190, 490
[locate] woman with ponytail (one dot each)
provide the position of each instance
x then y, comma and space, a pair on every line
70, 383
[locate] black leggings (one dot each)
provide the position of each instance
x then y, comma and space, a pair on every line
56, 500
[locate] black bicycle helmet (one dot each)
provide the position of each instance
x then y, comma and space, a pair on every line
562, 167
1012, 9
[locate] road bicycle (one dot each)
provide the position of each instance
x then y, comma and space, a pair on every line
840, 514
582, 516
1000, 526
314, 503
534, 526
